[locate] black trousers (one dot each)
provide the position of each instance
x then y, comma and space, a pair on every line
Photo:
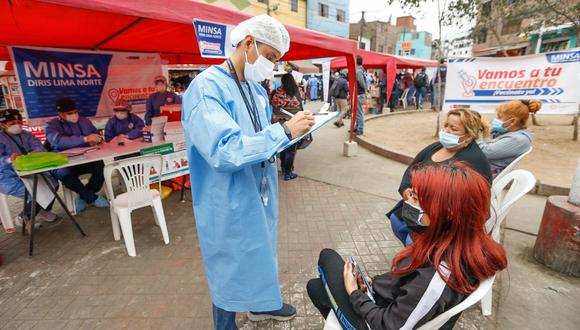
70, 178
287, 159
331, 266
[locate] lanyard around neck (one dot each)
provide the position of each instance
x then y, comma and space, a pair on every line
252, 109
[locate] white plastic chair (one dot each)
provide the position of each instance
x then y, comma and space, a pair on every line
5, 215
512, 165
522, 182
477, 295
403, 98
485, 286
136, 176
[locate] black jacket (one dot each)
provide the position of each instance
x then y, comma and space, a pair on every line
406, 302
471, 154
341, 91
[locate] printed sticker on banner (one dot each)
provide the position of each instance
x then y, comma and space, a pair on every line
213, 39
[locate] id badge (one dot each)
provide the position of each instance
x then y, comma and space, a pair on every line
264, 187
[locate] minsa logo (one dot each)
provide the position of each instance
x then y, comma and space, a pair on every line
215, 30
564, 57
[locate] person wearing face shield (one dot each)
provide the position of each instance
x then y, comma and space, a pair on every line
15, 142
158, 99
457, 141
232, 149
70, 130
123, 124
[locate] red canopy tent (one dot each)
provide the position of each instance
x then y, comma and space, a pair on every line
143, 26
371, 60
386, 62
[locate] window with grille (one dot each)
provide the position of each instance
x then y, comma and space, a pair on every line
322, 10
340, 15
294, 5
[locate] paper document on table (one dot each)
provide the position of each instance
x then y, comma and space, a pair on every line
321, 119
77, 151
43, 194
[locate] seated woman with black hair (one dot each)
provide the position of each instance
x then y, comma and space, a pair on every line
451, 254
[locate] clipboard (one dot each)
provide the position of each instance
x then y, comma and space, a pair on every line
321, 118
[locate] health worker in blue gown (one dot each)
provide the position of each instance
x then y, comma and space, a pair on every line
232, 147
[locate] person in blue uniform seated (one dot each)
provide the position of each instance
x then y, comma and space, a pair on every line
68, 130
158, 99
15, 142
231, 147
123, 124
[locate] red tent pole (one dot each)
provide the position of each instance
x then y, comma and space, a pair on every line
352, 84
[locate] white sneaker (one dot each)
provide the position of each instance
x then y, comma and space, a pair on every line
18, 221
47, 216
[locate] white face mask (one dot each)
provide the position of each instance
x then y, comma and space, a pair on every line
14, 129
121, 115
261, 69
73, 118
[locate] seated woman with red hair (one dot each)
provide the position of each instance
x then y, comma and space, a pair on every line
450, 255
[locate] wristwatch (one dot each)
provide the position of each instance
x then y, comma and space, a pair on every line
287, 131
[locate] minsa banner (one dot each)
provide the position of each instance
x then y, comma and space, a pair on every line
95, 80
213, 39
482, 83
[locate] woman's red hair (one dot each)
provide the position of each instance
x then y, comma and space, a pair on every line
456, 199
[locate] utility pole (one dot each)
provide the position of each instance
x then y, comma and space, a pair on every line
361, 24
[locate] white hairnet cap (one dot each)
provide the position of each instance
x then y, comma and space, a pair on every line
264, 29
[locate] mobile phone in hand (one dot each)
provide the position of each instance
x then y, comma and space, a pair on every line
358, 270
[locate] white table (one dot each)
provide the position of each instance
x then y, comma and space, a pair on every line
107, 153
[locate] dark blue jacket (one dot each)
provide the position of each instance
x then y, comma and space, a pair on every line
131, 127
63, 135
156, 101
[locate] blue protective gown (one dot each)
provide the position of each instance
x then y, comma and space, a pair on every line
313, 84
63, 135
10, 183
156, 101
238, 234
131, 127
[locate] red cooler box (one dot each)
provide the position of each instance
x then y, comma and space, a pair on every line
172, 111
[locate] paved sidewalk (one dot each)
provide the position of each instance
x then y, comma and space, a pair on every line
87, 283
73, 282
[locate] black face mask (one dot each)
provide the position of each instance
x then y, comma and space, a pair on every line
412, 216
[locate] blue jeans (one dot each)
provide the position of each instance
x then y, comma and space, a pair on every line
360, 115
223, 320
421, 96
400, 229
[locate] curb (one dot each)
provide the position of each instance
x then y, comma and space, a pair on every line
541, 189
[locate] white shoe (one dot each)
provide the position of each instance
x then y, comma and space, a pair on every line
18, 221
47, 216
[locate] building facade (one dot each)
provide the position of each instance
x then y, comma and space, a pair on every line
460, 46
377, 36
415, 44
292, 12
328, 16
495, 35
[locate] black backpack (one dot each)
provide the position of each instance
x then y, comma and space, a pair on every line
421, 80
